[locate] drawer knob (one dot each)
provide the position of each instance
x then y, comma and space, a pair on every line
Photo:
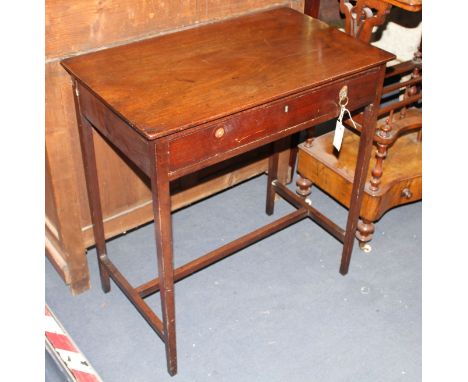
219, 132
406, 193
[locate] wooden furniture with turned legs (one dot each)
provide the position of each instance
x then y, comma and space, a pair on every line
395, 173
242, 84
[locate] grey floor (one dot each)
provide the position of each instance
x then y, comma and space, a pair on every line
276, 311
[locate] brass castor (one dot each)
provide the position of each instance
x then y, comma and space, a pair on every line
365, 247
365, 230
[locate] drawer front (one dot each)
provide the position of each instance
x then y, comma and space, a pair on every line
401, 192
254, 127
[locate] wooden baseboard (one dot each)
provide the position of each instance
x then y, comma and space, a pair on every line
56, 256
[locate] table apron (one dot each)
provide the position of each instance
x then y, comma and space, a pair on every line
216, 141
241, 132
114, 129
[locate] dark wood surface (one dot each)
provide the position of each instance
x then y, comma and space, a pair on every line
80, 27
242, 131
181, 80
180, 103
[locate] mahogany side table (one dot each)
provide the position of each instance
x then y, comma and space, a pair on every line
184, 101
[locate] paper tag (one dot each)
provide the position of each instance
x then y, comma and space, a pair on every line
338, 137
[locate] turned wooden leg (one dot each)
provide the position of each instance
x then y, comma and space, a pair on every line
272, 175
89, 161
163, 236
377, 171
303, 188
365, 230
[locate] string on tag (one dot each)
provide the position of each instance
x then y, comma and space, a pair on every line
344, 110
343, 103
339, 129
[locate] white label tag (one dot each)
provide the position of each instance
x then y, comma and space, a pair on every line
338, 138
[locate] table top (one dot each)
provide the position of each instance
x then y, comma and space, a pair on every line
176, 81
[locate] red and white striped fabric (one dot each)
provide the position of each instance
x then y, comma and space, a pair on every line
66, 352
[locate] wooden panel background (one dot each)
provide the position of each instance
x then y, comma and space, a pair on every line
83, 25
80, 26
50, 209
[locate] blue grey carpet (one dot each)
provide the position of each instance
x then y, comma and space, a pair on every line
276, 311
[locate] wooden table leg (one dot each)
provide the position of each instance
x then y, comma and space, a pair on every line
163, 236
272, 175
89, 161
360, 174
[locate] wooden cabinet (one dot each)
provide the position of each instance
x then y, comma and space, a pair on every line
77, 27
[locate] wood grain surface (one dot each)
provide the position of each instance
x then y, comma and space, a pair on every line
180, 80
85, 25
